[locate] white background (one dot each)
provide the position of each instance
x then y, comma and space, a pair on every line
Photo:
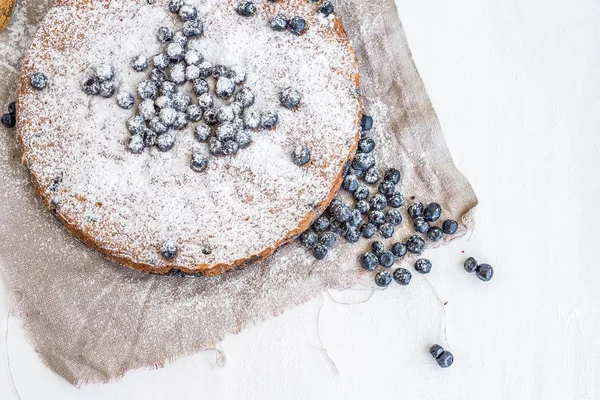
516, 84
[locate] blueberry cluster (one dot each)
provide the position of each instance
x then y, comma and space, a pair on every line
443, 357
9, 119
423, 217
484, 272
101, 83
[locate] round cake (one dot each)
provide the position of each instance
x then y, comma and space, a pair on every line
262, 111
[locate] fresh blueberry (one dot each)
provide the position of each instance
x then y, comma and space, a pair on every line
383, 279
399, 249
105, 72
225, 114
165, 142
396, 200
423, 266
485, 272
125, 100
269, 119
350, 183
215, 146
377, 247
432, 212
158, 75
415, 210
321, 224
193, 28
363, 207
9, 120
246, 8
415, 244
392, 175
393, 217
180, 38
175, 52
149, 137
163, 102
177, 73
167, 116
251, 120
243, 138
161, 61
402, 276
378, 202
225, 132
362, 192
237, 74
290, 98
369, 261
139, 63
366, 145
328, 239
387, 188
436, 351
192, 72
91, 86
297, 25
169, 250
107, 89
336, 227
147, 89
301, 155
343, 213
181, 101
386, 230
164, 34
181, 121
368, 230
157, 126
351, 234
279, 23
230, 148
335, 203
192, 57
194, 113
386, 259
206, 69
366, 123
471, 265
450, 227
326, 8
12, 108
136, 125
320, 251
371, 176
188, 12
445, 359
435, 234
146, 110
421, 225
356, 218
199, 162
245, 97
200, 87
356, 172
308, 239
220, 70
175, 5
363, 161
377, 218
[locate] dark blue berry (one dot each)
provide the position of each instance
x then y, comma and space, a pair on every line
362, 192
471, 265
279, 23
356, 172
378, 202
371, 176
297, 25
396, 200
432, 212
402, 276
343, 213
421, 225
369, 261
246, 8
368, 230
356, 218
139, 63
377, 218
308, 239
377, 247
386, 230
199, 162
175, 5
445, 359
387, 188
363, 207
436, 351
350, 183
366, 145
399, 249
193, 28
392, 175
335, 203
336, 227
320, 251
9, 120
328, 239
290, 98
485, 272
415, 210
188, 12
230, 148
415, 244
326, 8
161, 61
450, 227
383, 279
215, 146
210, 116
301, 155
12, 108
107, 89
393, 217
169, 250
351, 234
91, 86
125, 100
165, 142
363, 161
270, 120
386, 259
366, 123
434, 234
164, 34
321, 224
423, 266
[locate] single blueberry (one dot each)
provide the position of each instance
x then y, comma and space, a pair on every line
91, 86
245, 97
435, 234
432, 212
368, 230
279, 23
192, 72
450, 227
356, 172
363, 207
164, 34
251, 120
215, 146
399, 249
350, 183
9, 120
436, 351
356, 218
220, 70
308, 239
194, 113
351, 234
230, 148
246, 8
366, 145
386, 230
377, 218
328, 239
192, 57
423, 266
167, 116
136, 125
366, 123
107, 89
326, 8
336, 227
362, 192
181, 121
169, 250
269, 119
392, 175
386, 259
445, 359
415, 244
471, 265
297, 25
402, 276
206, 69
199, 162
320, 251
485, 272
157, 126
321, 224
421, 225
290, 98
225, 114
342, 213
371, 176
180, 38
161, 61
393, 217
243, 138
210, 116
139, 63
159, 76
149, 137
193, 28
176, 74
387, 188
125, 100
301, 155
147, 89
167, 88
146, 109
105, 72
377, 247
181, 101
188, 12
383, 279
369, 261
396, 200
175, 5
415, 210
165, 142
378, 202
363, 161
335, 203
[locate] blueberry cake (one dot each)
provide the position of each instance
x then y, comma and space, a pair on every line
188, 135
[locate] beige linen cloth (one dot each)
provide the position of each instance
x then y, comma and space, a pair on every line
91, 320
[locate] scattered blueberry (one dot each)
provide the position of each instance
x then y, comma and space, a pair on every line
157, 126
125, 100
432, 212
326, 8
368, 230
149, 137
343, 213
225, 114
107, 89
363, 207
161, 61
200, 87
450, 227
192, 72
415, 244
399, 249
181, 101
188, 12
269, 119
175, 5
167, 116
436, 351
301, 155
320, 251
371, 176
139, 63
175, 52
181, 121
297, 25
362, 192
279, 23
308, 239
191, 28
321, 224
194, 113
243, 139
423, 265
383, 279
164, 34
393, 217
290, 98
378, 202
471, 265
363, 161
91, 86
246, 8
9, 120
328, 239
421, 225
225, 132
366, 145
445, 359
245, 97
220, 70
392, 175
147, 89
105, 72
177, 73
192, 57
356, 218
377, 218
366, 123
158, 75
251, 120
350, 183
351, 234
415, 210
136, 125
396, 200
377, 247
165, 142
386, 230
435, 234
386, 259
199, 162
387, 188
215, 146
230, 148
169, 250
369, 261
485, 272
402, 276
336, 227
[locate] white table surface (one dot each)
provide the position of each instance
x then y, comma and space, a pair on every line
516, 84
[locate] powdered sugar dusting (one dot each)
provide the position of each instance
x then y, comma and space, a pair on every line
132, 204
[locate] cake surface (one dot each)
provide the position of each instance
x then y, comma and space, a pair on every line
241, 208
